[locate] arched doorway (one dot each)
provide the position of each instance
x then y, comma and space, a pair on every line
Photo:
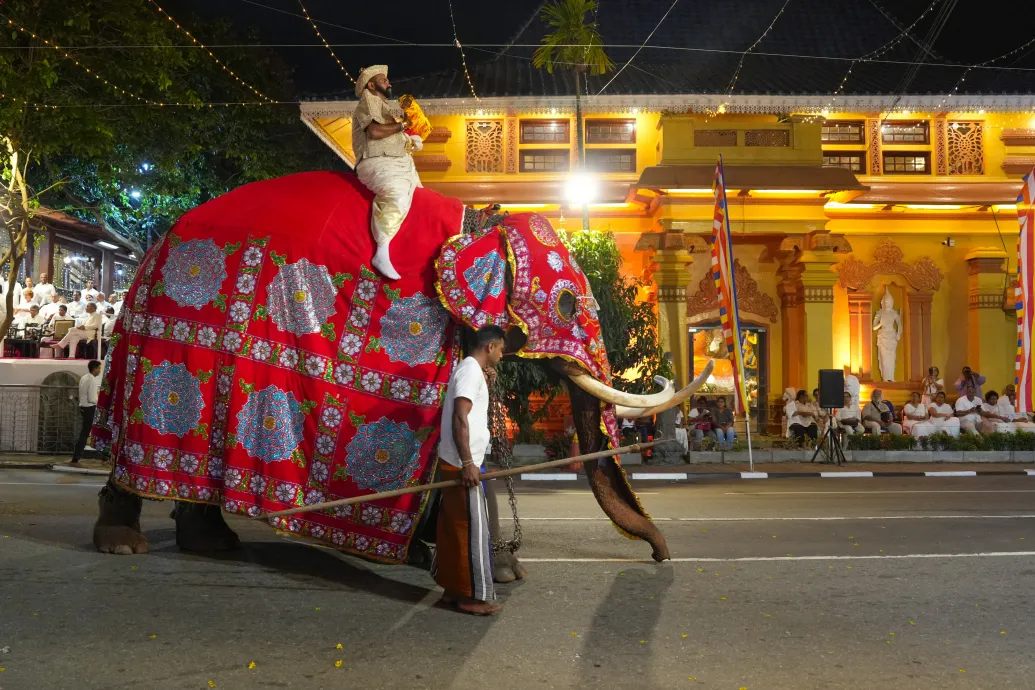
706, 342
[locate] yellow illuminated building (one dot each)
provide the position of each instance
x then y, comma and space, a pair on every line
829, 207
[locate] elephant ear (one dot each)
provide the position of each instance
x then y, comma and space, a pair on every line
472, 276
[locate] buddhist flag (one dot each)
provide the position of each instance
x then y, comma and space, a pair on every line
722, 273
1025, 292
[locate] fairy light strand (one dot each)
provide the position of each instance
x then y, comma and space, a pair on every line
325, 43
50, 44
212, 55
463, 58
740, 65
963, 77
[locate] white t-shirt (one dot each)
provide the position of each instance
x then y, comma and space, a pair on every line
89, 386
467, 381
49, 309
847, 413
966, 406
794, 418
43, 292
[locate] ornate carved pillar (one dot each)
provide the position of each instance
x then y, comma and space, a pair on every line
860, 339
986, 321
873, 148
793, 330
941, 165
918, 326
817, 282
672, 276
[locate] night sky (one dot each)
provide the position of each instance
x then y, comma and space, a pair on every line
974, 31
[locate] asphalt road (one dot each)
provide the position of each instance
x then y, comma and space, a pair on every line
796, 584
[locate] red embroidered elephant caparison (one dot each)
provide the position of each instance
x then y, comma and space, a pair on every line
260, 363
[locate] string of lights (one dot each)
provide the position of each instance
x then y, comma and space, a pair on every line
963, 77
463, 58
326, 45
49, 44
645, 41
882, 50
743, 56
212, 55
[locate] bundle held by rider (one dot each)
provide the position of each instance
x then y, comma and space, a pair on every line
419, 125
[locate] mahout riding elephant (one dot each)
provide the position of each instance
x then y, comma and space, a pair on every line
260, 364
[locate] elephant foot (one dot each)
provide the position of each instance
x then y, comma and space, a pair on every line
117, 529
419, 555
201, 527
508, 568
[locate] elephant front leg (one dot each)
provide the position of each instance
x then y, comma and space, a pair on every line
201, 527
507, 566
117, 529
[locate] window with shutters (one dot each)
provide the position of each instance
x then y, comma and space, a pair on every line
843, 132
611, 160
844, 159
907, 163
545, 160
544, 131
610, 131
905, 133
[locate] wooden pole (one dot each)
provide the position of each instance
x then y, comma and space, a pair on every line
635, 448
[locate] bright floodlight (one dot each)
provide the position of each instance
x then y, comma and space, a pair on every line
135, 194
581, 189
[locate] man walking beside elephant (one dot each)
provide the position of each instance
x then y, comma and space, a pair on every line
462, 564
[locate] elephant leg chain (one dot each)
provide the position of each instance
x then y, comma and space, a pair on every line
501, 452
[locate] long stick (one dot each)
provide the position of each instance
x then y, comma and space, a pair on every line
635, 448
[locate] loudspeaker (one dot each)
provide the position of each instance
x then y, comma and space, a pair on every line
831, 388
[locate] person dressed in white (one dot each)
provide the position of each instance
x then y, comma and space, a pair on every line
108, 321
462, 563
848, 420
1008, 409
102, 303
992, 419
90, 291
28, 319
31, 286
44, 291
89, 387
383, 161
942, 417
915, 417
48, 310
88, 331
931, 385
28, 300
968, 410
118, 303
681, 435
77, 307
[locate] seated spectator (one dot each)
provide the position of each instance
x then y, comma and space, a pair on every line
22, 308
48, 310
102, 303
915, 417
701, 420
879, 415
118, 303
822, 416
801, 418
681, 436
723, 425
992, 420
61, 315
88, 332
968, 408
941, 417
847, 420
108, 321
1008, 409
26, 321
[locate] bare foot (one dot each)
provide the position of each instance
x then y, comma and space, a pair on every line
478, 608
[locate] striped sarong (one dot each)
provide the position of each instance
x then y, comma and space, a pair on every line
462, 563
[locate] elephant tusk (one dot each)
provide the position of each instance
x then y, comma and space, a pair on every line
607, 394
683, 395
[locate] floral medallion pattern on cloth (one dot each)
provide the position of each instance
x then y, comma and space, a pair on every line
171, 399
193, 273
472, 273
413, 330
382, 455
269, 426
219, 392
301, 297
542, 230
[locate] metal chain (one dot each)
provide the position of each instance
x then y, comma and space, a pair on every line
502, 455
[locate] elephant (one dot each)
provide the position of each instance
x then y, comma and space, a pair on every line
259, 364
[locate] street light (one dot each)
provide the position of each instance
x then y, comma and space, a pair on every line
582, 189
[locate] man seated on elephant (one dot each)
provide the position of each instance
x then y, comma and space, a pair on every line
383, 161
462, 564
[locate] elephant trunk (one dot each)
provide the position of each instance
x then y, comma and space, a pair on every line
606, 478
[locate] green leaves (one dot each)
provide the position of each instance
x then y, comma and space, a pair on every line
357, 420
340, 279
158, 289
327, 331
373, 345
422, 434
260, 313
278, 259
367, 273
231, 247
220, 302
391, 293
247, 388
204, 376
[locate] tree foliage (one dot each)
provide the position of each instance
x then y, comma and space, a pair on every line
572, 42
629, 329
95, 135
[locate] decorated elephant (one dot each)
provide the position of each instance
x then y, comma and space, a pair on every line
259, 365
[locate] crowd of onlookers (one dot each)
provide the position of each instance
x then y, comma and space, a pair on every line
928, 411
42, 315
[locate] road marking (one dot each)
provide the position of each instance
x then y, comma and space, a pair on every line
950, 474
754, 475
749, 559
821, 518
846, 474
659, 475
911, 491
1030, 473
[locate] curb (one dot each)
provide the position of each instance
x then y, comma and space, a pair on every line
691, 476
77, 470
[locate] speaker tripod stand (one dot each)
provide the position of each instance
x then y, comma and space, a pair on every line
833, 450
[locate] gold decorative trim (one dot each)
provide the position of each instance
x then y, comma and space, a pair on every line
1018, 137
940, 147
986, 301
434, 162
924, 274
818, 293
512, 144
439, 135
873, 151
749, 298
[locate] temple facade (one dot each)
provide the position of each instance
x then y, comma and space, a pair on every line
834, 203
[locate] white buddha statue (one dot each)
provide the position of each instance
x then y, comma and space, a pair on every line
888, 325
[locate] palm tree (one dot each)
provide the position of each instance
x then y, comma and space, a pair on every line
574, 43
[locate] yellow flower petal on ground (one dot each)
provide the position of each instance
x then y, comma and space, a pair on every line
575, 634
963, 670
251, 664
643, 641
154, 636
691, 678
912, 622
2, 668
700, 570
684, 636
855, 544
768, 615
212, 683
1002, 632
723, 598
339, 646
892, 634
317, 608
132, 567
337, 664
